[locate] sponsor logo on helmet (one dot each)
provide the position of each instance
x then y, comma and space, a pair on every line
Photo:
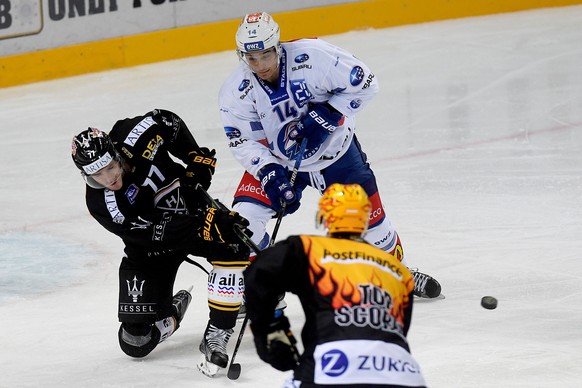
255, 17
356, 76
301, 58
254, 46
97, 165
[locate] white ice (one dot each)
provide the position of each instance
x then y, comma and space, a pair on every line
476, 142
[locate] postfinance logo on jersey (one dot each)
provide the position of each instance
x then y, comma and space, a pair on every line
334, 256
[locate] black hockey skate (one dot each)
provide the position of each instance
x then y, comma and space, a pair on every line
213, 348
181, 301
425, 286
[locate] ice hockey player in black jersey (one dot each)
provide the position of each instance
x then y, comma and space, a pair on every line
357, 301
137, 189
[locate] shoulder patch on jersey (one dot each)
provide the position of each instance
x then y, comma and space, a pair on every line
131, 193
356, 76
301, 58
231, 132
111, 203
355, 104
243, 85
256, 126
134, 135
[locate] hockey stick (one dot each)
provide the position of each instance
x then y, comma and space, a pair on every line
281, 212
235, 368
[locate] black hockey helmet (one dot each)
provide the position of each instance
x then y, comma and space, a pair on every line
92, 150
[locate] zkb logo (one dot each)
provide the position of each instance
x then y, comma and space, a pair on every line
334, 363
133, 291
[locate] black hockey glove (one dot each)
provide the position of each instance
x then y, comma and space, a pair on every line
219, 226
275, 183
276, 344
200, 168
319, 122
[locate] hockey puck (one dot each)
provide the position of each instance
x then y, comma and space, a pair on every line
489, 302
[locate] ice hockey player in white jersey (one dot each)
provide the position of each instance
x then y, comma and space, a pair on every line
283, 94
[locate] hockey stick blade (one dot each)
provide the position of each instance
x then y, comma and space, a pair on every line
233, 371
234, 368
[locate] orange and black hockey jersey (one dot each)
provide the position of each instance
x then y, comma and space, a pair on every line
357, 301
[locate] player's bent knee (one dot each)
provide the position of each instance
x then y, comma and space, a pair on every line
138, 339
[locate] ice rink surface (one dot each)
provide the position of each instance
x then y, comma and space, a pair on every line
476, 141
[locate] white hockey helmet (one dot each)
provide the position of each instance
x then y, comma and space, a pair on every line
257, 32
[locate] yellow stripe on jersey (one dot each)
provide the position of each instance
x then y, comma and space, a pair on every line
242, 264
223, 306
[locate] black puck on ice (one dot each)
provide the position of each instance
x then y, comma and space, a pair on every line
489, 302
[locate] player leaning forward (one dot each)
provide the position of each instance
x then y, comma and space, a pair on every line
138, 192
285, 93
357, 301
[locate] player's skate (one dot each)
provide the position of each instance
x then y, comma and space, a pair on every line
425, 286
213, 348
181, 301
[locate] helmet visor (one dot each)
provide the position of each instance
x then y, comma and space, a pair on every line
109, 176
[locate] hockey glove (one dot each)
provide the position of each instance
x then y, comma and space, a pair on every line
319, 122
276, 344
200, 168
219, 226
275, 183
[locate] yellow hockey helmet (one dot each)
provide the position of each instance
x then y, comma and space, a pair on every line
344, 209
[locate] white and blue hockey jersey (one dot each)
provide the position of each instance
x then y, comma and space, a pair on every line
258, 117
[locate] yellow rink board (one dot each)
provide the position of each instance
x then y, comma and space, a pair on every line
219, 36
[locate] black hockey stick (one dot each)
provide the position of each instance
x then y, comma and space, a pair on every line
233, 372
234, 368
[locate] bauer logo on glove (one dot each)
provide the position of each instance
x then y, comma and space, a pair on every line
219, 225
200, 168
